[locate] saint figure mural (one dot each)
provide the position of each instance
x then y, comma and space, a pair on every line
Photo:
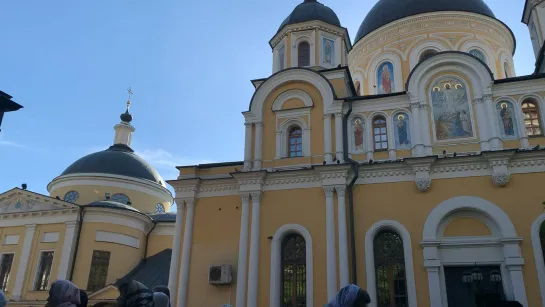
403, 136
358, 134
328, 51
507, 123
385, 78
451, 109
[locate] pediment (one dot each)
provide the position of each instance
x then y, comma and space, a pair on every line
21, 201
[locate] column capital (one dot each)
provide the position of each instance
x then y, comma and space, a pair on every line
327, 116
248, 125
487, 96
245, 197
338, 114
329, 191
341, 190
423, 106
31, 227
478, 100
256, 196
258, 124
415, 105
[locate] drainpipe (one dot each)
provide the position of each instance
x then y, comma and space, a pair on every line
355, 169
81, 214
147, 240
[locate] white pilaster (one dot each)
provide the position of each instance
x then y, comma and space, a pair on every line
517, 281
482, 123
331, 267
369, 137
23, 262
175, 258
328, 150
123, 133
344, 276
258, 145
434, 284
494, 128
523, 135
279, 145
186, 253
248, 146
254, 250
418, 147
390, 132
68, 250
339, 151
243, 251
425, 129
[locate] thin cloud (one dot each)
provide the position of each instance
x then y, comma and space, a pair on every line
165, 162
5, 143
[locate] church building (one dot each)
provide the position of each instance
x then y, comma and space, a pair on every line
406, 160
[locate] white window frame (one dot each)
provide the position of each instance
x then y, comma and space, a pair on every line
282, 136
10, 269
276, 262
297, 38
37, 271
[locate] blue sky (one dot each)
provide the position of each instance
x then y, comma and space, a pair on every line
189, 63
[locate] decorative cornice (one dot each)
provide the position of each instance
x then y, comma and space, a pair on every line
329, 191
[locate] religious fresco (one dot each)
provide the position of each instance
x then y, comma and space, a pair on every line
281, 57
402, 131
451, 109
329, 51
357, 125
478, 54
385, 78
507, 121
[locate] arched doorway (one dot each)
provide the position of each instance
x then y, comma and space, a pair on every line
482, 265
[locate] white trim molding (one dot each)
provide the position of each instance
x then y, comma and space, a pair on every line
11, 240
298, 37
26, 249
278, 103
276, 263
282, 135
400, 230
501, 248
414, 57
538, 254
118, 217
117, 238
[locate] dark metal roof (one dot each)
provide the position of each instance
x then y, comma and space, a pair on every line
152, 271
119, 159
8, 105
111, 205
212, 165
163, 217
311, 10
386, 11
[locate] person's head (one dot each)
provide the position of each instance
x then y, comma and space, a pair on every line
83, 299
3, 299
163, 289
160, 299
134, 294
350, 296
63, 293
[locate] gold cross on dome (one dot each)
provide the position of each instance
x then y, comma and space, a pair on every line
129, 90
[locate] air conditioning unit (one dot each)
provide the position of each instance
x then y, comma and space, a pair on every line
220, 274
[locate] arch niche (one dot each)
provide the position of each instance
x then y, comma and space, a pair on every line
501, 248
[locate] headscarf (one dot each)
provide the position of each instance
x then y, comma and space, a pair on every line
134, 294
160, 299
82, 298
3, 299
163, 289
350, 296
63, 293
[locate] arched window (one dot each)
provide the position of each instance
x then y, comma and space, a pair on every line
358, 89
478, 54
303, 51
294, 271
390, 277
380, 135
295, 142
531, 117
427, 54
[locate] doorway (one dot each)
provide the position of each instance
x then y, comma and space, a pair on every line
474, 286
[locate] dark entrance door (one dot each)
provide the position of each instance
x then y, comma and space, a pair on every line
476, 286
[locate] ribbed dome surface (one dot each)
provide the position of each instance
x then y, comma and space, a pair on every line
311, 10
386, 11
117, 160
